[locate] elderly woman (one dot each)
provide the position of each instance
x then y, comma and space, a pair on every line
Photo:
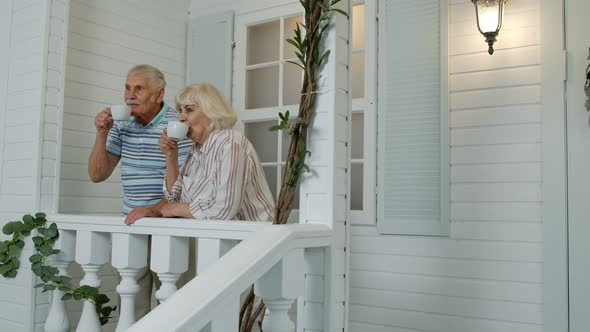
222, 177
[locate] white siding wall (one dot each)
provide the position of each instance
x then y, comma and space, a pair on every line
487, 275
26, 23
106, 39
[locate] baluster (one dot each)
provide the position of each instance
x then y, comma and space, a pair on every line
210, 250
57, 318
169, 259
92, 251
279, 287
129, 256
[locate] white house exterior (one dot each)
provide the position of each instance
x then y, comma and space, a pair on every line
509, 253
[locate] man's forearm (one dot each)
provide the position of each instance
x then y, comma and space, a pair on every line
98, 162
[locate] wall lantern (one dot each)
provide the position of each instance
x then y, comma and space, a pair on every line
489, 14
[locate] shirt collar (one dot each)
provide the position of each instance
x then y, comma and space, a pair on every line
159, 117
208, 143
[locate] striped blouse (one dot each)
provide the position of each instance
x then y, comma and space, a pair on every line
223, 180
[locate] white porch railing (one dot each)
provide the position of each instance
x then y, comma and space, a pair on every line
271, 257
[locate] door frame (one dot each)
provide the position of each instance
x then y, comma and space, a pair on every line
554, 164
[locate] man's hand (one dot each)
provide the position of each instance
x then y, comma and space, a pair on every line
138, 213
103, 120
181, 210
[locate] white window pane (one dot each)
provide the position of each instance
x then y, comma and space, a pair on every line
292, 81
265, 142
358, 26
358, 75
290, 24
296, 200
263, 43
357, 133
262, 87
270, 173
356, 186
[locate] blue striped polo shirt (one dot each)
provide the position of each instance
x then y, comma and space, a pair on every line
143, 165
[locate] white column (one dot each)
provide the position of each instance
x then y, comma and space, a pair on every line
129, 256
210, 250
57, 318
324, 191
169, 259
92, 251
279, 288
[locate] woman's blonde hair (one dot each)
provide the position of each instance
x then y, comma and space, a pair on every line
211, 101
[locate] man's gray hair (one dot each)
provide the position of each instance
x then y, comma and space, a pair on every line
154, 74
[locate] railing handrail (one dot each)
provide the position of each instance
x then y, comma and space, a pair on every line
192, 307
217, 229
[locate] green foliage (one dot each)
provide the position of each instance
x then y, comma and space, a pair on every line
10, 251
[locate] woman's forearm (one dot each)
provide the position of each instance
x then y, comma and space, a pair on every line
171, 172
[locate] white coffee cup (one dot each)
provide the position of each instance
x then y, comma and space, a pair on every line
177, 130
120, 112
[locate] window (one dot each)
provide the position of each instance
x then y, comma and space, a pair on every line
273, 85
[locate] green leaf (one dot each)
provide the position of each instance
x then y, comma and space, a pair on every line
35, 258
48, 287
39, 285
306, 168
4, 268
66, 296
13, 250
276, 127
46, 250
45, 278
43, 215
28, 218
51, 232
11, 274
38, 240
339, 11
8, 229
3, 247
20, 243
15, 263
64, 288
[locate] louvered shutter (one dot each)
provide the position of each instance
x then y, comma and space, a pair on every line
413, 145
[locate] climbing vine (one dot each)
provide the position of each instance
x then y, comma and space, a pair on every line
10, 252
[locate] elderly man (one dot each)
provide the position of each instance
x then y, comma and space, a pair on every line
135, 143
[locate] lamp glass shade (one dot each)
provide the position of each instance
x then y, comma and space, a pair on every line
489, 15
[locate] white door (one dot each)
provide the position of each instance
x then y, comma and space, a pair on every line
578, 143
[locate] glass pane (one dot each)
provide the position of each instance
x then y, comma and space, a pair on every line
264, 141
296, 200
358, 75
292, 81
356, 186
357, 136
262, 87
290, 24
263, 43
358, 26
271, 177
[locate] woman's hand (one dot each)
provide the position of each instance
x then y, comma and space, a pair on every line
181, 210
168, 147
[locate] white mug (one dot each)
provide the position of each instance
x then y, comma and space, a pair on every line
177, 130
120, 112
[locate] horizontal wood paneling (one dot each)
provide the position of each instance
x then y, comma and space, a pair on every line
106, 39
487, 275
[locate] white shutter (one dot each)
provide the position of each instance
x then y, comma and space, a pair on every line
209, 51
413, 144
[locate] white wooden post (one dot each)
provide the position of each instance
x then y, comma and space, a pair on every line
279, 287
169, 259
324, 191
210, 250
92, 251
57, 318
129, 256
